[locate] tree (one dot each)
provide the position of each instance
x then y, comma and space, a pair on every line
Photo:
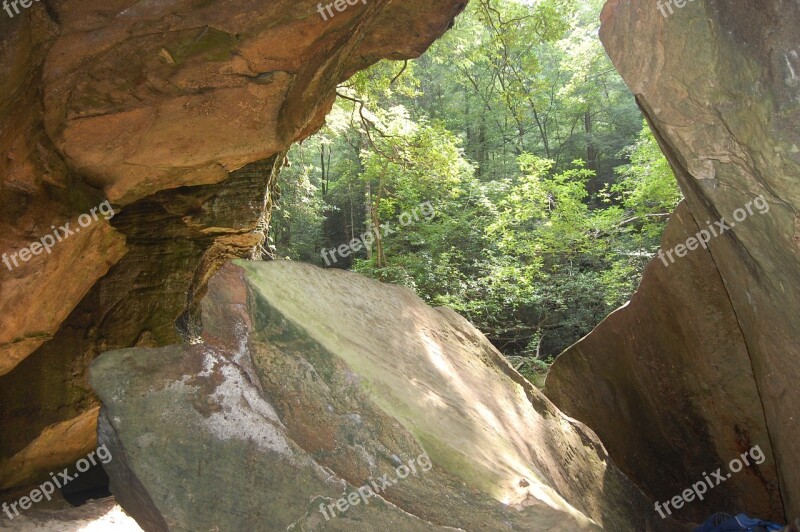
550, 197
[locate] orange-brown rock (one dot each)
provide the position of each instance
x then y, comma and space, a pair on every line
56, 447
140, 99
33, 295
180, 114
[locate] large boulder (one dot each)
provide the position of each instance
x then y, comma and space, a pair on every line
310, 384
673, 402
718, 81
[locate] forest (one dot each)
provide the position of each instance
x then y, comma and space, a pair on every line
549, 191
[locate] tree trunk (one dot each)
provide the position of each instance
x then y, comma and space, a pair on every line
591, 149
368, 213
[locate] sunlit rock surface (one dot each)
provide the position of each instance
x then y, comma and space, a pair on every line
180, 113
719, 82
310, 383
95, 516
58, 444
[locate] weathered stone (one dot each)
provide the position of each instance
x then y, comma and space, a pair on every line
718, 82
155, 104
53, 449
291, 402
668, 400
180, 113
140, 98
31, 302
176, 239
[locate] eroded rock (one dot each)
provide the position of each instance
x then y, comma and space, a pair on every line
180, 114
718, 82
95, 515
673, 402
311, 383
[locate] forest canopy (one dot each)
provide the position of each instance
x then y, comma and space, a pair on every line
550, 192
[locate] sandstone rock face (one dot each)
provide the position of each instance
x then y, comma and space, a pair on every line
179, 113
719, 84
174, 240
668, 399
139, 98
312, 383
57, 444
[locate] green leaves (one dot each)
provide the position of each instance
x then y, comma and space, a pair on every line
383, 80
492, 126
648, 184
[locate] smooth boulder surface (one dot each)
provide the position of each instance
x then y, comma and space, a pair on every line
648, 408
311, 383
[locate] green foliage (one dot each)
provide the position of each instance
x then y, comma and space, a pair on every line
647, 186
550, 198
298, 217
532, 368
385, 79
